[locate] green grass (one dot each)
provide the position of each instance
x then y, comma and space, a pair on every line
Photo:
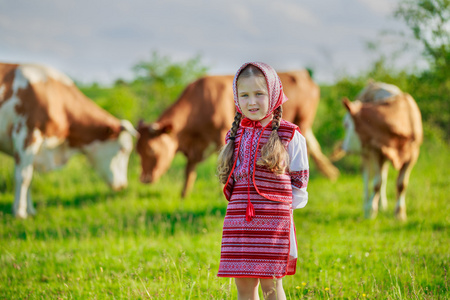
87, 242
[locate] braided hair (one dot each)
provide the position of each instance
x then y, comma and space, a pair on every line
225, 159
273, 154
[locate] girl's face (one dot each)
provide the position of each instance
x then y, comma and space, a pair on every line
253, 97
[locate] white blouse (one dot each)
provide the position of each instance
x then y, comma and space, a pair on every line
299, 162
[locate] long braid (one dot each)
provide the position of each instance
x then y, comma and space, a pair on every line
277, 113
225, 159
273, 154
235, 125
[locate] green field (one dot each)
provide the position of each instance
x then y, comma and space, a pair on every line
87, 242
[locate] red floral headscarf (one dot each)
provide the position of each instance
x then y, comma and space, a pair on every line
276, 94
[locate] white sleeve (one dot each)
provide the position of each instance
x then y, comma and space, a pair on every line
299, 170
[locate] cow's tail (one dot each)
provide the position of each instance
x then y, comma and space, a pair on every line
322, 162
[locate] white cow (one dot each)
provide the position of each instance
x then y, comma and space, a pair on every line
45, 119
383, 124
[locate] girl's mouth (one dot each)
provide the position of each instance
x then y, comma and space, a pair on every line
253, 110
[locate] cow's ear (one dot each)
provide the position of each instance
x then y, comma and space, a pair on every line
167, 128
108, 131
158, 128
347, 104
352, 107
140, 124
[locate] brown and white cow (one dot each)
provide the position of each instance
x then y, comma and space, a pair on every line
44, 119
383, 124
197, 122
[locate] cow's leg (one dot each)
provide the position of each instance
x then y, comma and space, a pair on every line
384, 176
191, 175
402, 184
23, 171
377, 163
322, 162
30, 206
23, 174
366, 172
371, 177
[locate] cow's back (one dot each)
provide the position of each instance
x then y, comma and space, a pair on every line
378, 92
303, 94
50, 102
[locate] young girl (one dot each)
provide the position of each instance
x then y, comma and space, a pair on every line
264, 167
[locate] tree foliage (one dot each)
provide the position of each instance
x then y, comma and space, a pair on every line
429, 21
119, 100
159, 81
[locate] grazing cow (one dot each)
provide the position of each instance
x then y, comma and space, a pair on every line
44, 119
197, 122
383, 124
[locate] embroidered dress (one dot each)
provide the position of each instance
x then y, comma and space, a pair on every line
264, 247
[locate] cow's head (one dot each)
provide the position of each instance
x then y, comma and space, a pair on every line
156, 148
110, 157
351, 143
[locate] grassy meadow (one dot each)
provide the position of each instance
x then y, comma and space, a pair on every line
87, 242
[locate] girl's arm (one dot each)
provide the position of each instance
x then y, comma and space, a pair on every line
298, 170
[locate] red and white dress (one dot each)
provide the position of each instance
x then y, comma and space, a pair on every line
264, 247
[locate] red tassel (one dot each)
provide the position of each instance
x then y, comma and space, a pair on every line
250, 212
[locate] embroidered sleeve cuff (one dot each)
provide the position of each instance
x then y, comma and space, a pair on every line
299, 179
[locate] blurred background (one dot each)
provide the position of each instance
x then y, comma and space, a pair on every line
101, 40
134, 58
